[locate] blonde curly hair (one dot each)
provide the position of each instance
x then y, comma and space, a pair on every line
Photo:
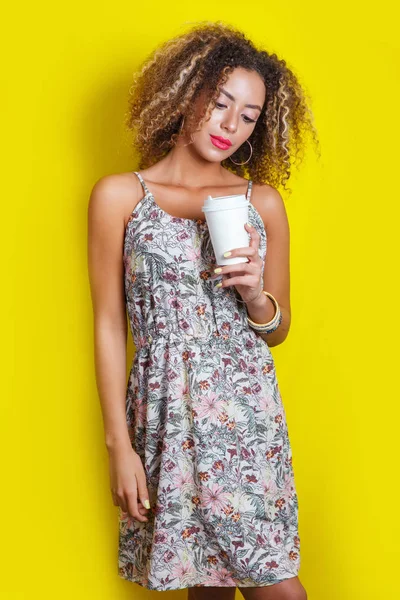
171, 78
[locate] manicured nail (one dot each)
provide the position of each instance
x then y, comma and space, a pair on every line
146, 504
218, 270
218, 284
248, 225
226, 254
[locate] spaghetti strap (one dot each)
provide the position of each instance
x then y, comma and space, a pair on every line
249, 188
146, 189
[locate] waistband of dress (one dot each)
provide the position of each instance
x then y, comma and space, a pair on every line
148, 339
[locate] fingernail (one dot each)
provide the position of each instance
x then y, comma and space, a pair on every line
248, 225
146, 504
218, 284
226, 254
218, 270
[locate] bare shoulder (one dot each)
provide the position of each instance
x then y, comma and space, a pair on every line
270, 204
113, 197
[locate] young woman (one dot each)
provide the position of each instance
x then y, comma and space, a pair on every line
200, 458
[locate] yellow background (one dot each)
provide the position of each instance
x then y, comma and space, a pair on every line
66, 72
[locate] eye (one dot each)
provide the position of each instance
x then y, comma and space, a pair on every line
246, 119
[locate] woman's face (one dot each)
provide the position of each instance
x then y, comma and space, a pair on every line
234, 117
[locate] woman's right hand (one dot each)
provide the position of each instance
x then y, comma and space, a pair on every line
128, 482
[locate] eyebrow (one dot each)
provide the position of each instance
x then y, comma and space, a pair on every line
232, 98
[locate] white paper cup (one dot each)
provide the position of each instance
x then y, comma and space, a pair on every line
226, 217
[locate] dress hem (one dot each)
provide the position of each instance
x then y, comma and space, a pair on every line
200, 584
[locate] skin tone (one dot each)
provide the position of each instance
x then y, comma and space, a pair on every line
179, 183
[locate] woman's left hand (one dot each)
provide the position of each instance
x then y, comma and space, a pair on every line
246, 277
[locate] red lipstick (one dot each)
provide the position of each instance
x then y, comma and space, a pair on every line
220, 142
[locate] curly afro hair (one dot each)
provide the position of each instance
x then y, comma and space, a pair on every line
170, 80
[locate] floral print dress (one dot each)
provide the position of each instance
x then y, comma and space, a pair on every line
205, 416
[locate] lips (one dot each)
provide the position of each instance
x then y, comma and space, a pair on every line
220, 142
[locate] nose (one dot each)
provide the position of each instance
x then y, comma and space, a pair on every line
230, 123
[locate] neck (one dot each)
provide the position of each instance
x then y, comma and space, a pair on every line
185, 167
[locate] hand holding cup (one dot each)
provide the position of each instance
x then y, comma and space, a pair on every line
245, 276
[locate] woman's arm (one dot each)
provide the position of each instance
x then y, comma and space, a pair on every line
106, 226
113, 197
271, 207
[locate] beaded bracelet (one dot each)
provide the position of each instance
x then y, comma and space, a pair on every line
273, 324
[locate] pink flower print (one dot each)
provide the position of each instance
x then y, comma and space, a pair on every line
175, 303
183, 390
210, 407
271, 564
169, 465
215, 498
192, 253
183, 570
221, 577
141, 411
182, 479
183, 324
266, 403
182, 235
168, 555
252, 369
270, 487
171, 375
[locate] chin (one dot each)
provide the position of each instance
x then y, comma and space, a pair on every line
211, 156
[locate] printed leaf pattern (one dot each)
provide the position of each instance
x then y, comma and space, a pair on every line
206, 417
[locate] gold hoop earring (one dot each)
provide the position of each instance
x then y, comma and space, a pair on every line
246, 161
180, 131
